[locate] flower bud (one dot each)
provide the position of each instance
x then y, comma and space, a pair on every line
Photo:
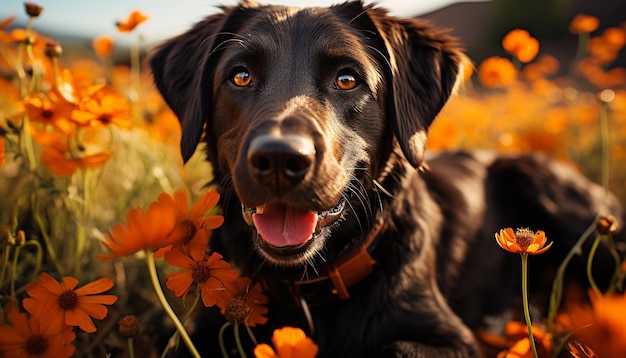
53, 50
32, 9
606, 225
128, 326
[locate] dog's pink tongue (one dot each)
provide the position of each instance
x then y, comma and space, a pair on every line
282, 226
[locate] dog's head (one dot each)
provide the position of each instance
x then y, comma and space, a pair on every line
301, 108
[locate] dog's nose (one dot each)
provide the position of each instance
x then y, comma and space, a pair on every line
280, 162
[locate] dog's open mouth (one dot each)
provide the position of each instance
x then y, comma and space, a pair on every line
287, 230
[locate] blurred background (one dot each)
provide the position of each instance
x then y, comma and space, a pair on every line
480, 24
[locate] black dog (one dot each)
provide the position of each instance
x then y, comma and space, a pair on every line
315, 122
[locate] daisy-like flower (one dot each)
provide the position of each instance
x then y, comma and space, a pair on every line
61, 164
63, 301
243, 302
149, 230
133, 20
35, 336
42, 109
520, 44
102, 106
497, 72
209, 272
522, 241
289, 342
193, 226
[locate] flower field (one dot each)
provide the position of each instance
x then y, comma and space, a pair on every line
103, 230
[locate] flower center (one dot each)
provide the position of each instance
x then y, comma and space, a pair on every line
36, 345
47, 114
105, 118
200, 274
237, 310
189, 230
524, 237
68, 300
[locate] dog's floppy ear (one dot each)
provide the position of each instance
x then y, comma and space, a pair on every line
425, 66
182, 68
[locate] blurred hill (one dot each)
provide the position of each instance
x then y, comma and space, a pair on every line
482, 25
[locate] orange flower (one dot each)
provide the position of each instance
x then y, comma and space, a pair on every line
133, 20
497, 72
289, 342
103, 46
103, 106
42, 109
582, 23
193, 227
519, 344
35, 336
60, 164
600, 327
522, 241
520, 44
144, 231
243, 303
64, 302
209, 272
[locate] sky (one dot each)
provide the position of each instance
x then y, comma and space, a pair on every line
91, 18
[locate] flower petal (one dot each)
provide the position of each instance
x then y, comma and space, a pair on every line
98, 286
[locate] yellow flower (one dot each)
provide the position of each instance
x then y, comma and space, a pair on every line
520, 44
522, 241
133, 20
289, 342
582, 23
497, 72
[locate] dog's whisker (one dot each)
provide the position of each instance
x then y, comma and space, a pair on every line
385, 59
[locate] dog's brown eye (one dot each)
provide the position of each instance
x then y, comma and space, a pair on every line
242, 79
346, 82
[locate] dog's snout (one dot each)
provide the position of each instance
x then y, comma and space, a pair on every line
280, 162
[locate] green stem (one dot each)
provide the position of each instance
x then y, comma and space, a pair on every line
252, 337
187, 315
242, 353
47, 241
221, 339
592, 253
525, 303
13, 276
39, 257
557, 285
6, 254
154, 277
131, 347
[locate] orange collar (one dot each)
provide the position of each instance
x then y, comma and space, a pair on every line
351, 269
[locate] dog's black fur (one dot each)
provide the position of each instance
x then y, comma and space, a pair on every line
295, 139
